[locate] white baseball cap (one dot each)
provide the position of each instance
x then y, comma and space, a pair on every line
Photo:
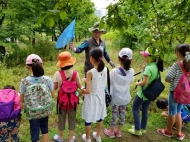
126, 51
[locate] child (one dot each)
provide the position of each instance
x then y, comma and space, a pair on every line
150, 73
65, 62
10, 126
34, 65
94, 107
120, 79
162, 103
174, 113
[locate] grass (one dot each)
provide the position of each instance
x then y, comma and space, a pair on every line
14, 75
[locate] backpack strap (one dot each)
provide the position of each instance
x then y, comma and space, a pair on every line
182, 68
122, 71
74, 76
62, 75
108, 79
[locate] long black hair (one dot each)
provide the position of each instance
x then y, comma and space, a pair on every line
37, 68
97, 54
126, 62
183, 48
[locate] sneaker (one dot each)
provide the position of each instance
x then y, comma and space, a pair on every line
84, 138
181, 137
118, 134
143, 131
98, 139
108, 133
164, 132
57, 138
135, 132
73, 140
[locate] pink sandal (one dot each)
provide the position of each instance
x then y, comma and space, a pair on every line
108, 133
118, 134
164, 132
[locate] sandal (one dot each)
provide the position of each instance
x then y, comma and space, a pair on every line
164, 132
108, 133
118, 134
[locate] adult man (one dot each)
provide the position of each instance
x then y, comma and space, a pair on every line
93, 42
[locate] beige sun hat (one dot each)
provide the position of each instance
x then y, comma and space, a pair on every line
96, 27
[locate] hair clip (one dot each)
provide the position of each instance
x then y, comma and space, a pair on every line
100, 59
35, 60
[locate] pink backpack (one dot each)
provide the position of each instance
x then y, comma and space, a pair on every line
182, 91
67, 98
10, 106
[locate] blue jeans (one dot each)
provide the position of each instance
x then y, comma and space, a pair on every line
137, 103
173, 107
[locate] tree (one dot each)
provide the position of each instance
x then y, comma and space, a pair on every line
64, 12
156, 23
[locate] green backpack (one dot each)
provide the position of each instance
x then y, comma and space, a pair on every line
38, 102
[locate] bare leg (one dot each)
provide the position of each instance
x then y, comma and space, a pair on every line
170, 123
118, 128
99, 128
71, 135
112, 129
178, 121
61, 134
87, 130
45, 137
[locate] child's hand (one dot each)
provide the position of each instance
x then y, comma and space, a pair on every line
84, 80
83, 91
143, 67
137, 83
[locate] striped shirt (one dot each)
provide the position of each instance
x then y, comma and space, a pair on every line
174, 75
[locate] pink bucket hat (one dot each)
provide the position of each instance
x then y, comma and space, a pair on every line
145, 53
30, 59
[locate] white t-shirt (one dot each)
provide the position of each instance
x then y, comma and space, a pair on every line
120, 86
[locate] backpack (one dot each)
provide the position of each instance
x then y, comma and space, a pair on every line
181, 93
67, 98
10, 106
38, 100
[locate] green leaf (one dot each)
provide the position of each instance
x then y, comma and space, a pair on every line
42, 17
50, 22
63, 15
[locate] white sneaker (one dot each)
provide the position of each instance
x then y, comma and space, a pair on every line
84, 138
98, 139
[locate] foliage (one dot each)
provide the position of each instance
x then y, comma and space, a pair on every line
155, 23
20, 19
64, 12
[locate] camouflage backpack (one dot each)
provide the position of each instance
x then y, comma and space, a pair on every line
38, 100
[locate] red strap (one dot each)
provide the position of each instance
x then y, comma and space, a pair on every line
74, 76
62, 75
182, 68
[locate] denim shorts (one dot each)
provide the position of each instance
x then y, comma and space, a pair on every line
174, 107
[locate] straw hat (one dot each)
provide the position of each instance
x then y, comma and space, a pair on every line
65, 59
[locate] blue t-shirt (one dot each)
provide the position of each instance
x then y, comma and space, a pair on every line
35, 80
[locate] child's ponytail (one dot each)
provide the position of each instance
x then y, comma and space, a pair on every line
184, 50
97, 54
101, 66
126, 62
